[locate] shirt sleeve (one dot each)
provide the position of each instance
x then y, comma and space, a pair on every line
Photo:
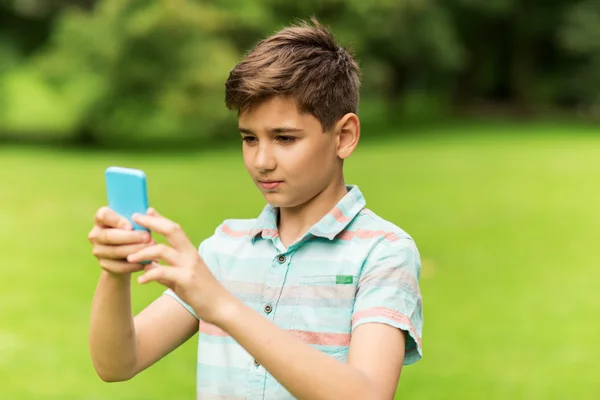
388, 292
203, 250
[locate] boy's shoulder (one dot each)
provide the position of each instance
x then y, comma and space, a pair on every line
235, 229
230, 232
370, 224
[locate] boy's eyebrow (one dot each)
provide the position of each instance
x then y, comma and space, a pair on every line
246, 130
282, 129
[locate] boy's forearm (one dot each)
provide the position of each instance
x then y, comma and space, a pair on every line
112, 332
303, 370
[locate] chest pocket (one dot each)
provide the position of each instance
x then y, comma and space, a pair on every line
324, 303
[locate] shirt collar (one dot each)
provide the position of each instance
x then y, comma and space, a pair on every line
328, 227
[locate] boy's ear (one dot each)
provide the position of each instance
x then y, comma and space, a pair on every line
348, 133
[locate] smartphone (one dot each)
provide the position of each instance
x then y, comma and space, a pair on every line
127, 193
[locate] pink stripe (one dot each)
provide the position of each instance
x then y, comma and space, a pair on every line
270, 232
339, 215
322, 338
231, 233
367, 234
390, 276
387, 313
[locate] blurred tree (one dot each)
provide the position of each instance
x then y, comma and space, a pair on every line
580, 36
511, 49
141, 69
156, 68
401, 45
23, 27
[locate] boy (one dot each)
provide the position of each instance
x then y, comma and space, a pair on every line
317, 298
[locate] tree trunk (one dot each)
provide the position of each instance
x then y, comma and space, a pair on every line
86, 137
398, 84
522, 67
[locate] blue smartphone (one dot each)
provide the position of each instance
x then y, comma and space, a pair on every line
127, 193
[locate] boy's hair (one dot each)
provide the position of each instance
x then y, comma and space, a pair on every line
302, 62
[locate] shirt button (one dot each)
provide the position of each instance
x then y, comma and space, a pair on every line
256, 363
268, 309
281, 259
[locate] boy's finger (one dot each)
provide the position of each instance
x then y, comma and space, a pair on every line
154, 265
112, 236
116, 252
107, 217
159, 251
169, 229
151, 266
165, 275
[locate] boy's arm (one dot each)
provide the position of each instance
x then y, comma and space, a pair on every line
375, 358
122, 346
161, 327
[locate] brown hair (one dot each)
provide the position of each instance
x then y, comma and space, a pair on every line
303, 62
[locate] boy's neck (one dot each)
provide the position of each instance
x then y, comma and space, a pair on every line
293, 222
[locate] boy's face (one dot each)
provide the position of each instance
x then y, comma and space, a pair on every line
288, 156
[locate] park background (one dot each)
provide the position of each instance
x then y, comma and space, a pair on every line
480, 137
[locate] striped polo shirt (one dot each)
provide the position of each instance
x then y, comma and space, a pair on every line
350, 268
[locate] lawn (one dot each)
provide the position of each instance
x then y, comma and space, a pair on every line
506, 218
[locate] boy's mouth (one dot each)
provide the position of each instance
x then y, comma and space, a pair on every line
270, 184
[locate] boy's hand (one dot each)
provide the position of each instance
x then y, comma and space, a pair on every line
186, 274
113, 239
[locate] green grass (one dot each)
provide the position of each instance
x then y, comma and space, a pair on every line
505, 216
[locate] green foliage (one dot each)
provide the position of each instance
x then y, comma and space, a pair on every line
28, 105
148, 69
144, 69
9, 54
580, 35
415, 33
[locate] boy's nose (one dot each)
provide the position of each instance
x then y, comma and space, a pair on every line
265, 161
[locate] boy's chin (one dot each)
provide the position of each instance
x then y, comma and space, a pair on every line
277, 200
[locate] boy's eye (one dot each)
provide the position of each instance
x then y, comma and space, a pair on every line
249, 139
285, 139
